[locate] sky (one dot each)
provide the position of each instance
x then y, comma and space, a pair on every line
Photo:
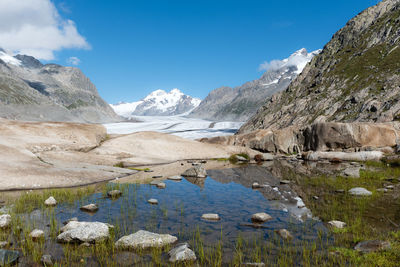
129, 48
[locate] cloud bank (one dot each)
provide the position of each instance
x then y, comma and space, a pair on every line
35, 27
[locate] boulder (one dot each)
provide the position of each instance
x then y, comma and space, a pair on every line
51, 201
36, 234
90, 208
372, 246
47, 260
182, 252
8, 257
114, 194
337, 224
196, 171
80, 232
153, 201
5, 220
175, 178
144, 239
359, 191
211, 217
285, 234
261, 217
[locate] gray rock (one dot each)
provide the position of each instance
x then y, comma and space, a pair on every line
337, 224
372, 246
36, 234
154, 182
8, 257
240, 158
90, 208
5, 220
285, 234
390, 187
268, 156
161, 185
144, 239
359, 191
197, 171
47, 260
175, 178
153, 201
114, 194
256, 186
261, 217
181, 253
254, 264
285, 182
51, 201
70, 220
211, 217
352, 172
80, 232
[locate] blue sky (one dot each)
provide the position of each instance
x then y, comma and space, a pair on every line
196, 46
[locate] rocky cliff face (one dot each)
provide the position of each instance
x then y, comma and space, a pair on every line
240, 103
356, 77
30, 90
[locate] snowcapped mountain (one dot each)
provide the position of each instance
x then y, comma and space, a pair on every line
240, 103
158, 103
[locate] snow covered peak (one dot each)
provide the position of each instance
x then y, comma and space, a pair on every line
299, 59
159, 102
9, 59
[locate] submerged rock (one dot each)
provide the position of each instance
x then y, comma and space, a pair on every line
181, 253
8, 257
114, 194
285, 234
196, 171
5, 220
47, 260
90, 208
79, 232
144, 239
36, 234
359, 191
211, 217
153, 201
51, 201
372, 246
261, 217
337, 224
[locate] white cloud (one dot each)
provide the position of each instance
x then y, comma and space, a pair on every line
299, 59
34, 27
74, 61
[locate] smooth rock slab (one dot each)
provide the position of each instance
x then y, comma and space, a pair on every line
144, 239
261, 217
337, 224
80, 232
285, 234
181, 253
175, 178
36, 234
8, 257
114, 194
372, 246
51, 201
196, 171
211, 217
5, 220
359, 191
153, 201
90, 208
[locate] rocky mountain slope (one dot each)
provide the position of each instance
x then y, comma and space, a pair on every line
356, 77
32, 91
240, 103
158, 103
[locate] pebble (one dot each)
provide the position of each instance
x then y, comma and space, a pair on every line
210, 217
114, 193
90, 208
261, 217
175, 178
359, 191
256, 186
51, 201
36, 234
285, 182
161, 185
337, 224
